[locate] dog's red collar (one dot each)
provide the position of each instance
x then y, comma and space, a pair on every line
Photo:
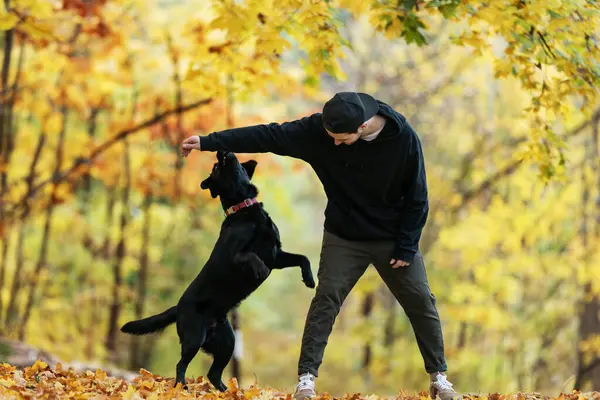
235, 208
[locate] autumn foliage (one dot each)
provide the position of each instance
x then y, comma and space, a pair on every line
41, 381
102, 220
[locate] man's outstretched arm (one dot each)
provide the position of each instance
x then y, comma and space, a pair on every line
294, 138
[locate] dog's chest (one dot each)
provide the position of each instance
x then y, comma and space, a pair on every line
264, 244
258, 234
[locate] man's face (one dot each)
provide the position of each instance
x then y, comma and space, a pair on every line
350, 137
344, 138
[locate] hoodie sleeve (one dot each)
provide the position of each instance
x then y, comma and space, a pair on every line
415, 208
294, 138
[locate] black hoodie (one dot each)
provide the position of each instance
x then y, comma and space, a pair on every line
375, 189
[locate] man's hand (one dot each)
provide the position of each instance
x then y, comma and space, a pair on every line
398, 263
192, 142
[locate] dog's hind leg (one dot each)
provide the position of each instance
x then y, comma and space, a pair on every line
285, 260
220, 345
191, 328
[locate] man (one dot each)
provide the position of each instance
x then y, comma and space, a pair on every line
377, 207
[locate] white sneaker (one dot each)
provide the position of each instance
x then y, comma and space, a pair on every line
305, 389
443, 388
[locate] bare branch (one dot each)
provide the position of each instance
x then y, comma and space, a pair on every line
65, 174
512, 166
425, 96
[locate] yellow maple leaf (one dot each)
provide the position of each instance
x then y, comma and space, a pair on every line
38, 9
53, 124
62, 193
146, 384
8, 21
7, 382
39, 366
274, 44
100, 375
252, 392
39, 30
153, 396
40, 108
131, 394
76, 96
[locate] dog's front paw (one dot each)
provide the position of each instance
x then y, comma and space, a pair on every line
261, 272
307, 276
241, 258
309, 281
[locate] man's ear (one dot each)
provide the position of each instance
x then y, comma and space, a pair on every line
207, 184
249, 166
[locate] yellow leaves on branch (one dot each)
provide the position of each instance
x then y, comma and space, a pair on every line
34, 9
246, 40
53, 124
551, 47
7, 20
32, 17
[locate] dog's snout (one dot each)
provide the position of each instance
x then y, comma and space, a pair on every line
225, 158
221, 154
228, 158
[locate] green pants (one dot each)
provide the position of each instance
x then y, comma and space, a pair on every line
342, 263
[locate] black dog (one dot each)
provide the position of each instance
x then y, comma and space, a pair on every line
247, 249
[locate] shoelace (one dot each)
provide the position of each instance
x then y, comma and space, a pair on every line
442, 383
306, 381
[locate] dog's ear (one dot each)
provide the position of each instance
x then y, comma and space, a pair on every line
249, 166
220, 155
208, 184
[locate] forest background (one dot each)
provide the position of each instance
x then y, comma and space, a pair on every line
102, 220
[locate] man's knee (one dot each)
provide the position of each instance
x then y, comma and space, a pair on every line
329, 296
419, 300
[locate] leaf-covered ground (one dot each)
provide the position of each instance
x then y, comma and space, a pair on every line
39, 381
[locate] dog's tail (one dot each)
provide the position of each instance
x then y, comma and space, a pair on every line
151, 324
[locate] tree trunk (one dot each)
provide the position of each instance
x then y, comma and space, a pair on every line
3, 263
115, 307
5, 131
85, 182
588, 368
67, 173
96, 307
389, 304
136, 361
389, 329
94, 318
6, 136
539, 369
41, 264
178, 102
12, 312
236, 365
367, 308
